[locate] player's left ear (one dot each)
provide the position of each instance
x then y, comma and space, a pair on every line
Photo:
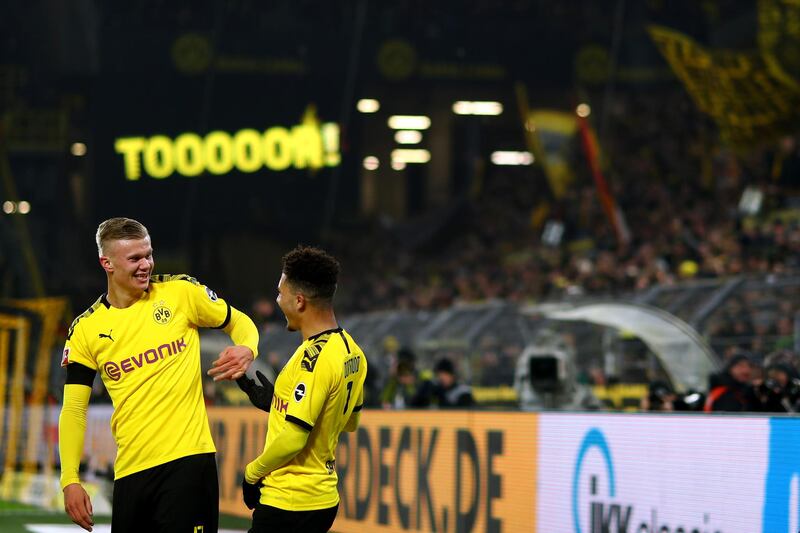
300, 301
105, 262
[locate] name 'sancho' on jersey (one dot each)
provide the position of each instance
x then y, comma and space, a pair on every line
351, 365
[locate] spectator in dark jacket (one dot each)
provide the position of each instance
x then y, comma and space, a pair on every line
445, 391
731, 389
401, 391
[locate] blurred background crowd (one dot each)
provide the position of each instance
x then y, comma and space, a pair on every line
677, 186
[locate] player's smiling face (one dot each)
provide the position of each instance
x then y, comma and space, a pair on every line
287, 301
131, 263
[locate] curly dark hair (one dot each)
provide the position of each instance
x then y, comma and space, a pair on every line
311, 271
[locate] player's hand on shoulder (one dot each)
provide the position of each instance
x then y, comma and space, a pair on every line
78, 505
232, 363
260, 395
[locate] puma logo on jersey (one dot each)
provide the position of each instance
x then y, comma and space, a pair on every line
309, 361
311, 354
106, 335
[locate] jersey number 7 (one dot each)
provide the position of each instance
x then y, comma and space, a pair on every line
349, 392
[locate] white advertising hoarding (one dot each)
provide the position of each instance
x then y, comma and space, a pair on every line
606, 473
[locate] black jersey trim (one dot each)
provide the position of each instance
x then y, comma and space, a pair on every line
92, 309
344, 339
302, 423
78, 374
227, 318
357, 408
163, 278
321, 333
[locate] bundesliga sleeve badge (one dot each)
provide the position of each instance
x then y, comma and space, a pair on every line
211, 295
65, 357
299, 392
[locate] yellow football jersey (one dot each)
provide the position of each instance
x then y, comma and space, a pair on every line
318, 389
148, 356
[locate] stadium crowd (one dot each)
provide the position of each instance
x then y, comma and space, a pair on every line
678, 189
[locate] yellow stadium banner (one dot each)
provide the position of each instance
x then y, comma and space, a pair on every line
779, 38
409, 470
747, 93
553, 133
548, 135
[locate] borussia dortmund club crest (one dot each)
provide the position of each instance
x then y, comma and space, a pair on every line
161, 313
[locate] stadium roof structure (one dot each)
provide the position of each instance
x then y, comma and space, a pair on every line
685, 355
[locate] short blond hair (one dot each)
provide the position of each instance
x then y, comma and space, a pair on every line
118, 229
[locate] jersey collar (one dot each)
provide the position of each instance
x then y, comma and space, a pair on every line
321, 333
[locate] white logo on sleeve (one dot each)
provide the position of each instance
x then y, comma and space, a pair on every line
299, 392
65, 357
211, 295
